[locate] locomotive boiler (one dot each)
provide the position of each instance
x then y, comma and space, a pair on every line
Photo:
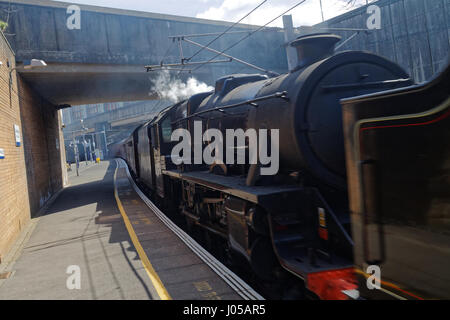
292, 224
303, 104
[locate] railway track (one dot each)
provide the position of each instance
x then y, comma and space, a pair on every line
234, 281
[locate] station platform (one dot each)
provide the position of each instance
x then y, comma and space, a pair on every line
105, 231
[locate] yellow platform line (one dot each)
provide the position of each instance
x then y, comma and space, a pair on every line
154, 278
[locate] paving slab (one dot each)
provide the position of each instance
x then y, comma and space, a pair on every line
101, 227
83, 227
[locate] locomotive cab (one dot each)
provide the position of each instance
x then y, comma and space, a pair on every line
398, 151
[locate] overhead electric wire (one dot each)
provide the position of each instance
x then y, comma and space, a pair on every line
218, 37
249, 35
226, 31
167, 52
182, 59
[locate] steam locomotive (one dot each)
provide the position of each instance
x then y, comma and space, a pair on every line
296, 223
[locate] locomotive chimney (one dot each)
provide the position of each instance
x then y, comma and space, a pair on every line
313, 48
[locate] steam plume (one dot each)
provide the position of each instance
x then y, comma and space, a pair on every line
176, 90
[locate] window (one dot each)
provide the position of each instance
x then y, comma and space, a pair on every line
166, 128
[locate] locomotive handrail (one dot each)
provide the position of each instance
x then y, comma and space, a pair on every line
366, 85
281, 95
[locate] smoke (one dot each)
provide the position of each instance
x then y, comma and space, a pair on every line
176, 90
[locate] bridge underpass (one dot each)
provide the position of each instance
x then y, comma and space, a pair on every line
103, 60
75, 84
106, 126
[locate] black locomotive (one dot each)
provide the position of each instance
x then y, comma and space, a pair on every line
299, 219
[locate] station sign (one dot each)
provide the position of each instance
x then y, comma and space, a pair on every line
2, 154
17, 135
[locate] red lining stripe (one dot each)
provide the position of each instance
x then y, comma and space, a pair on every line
442, 117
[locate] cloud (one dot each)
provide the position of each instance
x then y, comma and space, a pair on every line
307, 13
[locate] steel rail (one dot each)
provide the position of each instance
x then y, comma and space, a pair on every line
234, 281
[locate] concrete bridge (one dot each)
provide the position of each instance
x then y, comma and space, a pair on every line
100, 57
101, 61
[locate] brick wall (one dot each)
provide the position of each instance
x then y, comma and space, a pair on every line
42, 144
32, 173
14, 201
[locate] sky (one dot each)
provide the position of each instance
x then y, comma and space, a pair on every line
308, 13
